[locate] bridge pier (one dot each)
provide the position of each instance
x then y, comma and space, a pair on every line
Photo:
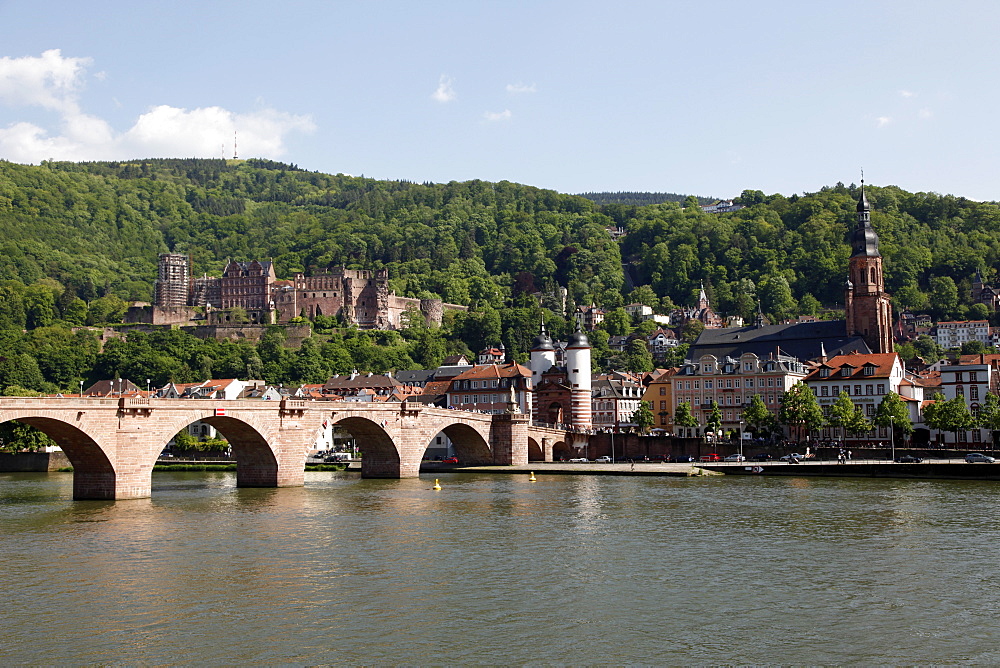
509, 439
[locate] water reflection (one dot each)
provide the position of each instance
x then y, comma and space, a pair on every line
570, 569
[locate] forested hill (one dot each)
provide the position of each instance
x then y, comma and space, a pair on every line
792, 252
99, 226
640, 198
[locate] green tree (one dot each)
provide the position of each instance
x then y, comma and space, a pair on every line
713, 421
19, 437
691, 330
106, 310
637, 357
644, 294
756, 416
944, 296
848, 416
799, 409
617, 322
892, 412
683, 417
643, 418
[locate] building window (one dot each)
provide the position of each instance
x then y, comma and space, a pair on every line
737, 382
959, 391
869, 371
880, 389
869, 389
847, 389
663, 390
870, 410
823, 391
973, 377
974, 392
857, 390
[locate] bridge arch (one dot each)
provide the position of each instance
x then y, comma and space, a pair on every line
561, 451
94, 474
256, 461
471, 446
379, 454
535, 452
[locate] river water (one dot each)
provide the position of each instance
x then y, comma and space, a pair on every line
495, 569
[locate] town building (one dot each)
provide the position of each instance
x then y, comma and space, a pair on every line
731, 382
589, 317
952, 334
866, 378
487, 388
971, 377
702, 311
614, 402
658, 394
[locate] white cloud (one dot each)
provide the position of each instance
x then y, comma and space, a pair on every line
53, 82
494, 116
444, 92
49, 81
907, 93
882, 121
521, 88
925, 113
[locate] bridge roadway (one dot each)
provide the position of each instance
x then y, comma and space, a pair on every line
114, 442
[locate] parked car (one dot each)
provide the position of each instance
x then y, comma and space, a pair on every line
762, 457
908, 459
974, 457
681, 459
603, 460
578, 460
711, 457
737, 457
450, 460
796, 456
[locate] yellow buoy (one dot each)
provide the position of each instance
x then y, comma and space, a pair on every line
437, 485
532, 478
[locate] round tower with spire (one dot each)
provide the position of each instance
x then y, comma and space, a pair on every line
867, 305
578, 375
543, 355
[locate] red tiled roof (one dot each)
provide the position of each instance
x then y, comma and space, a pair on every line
882, 361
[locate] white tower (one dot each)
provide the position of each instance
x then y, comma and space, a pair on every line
579, 375
543, 356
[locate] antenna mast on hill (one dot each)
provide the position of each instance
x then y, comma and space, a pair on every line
234, 145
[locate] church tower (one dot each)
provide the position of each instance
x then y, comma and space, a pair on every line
867, 305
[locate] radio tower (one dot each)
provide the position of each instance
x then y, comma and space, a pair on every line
234, 145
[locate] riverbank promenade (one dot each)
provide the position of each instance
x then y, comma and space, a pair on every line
944, 469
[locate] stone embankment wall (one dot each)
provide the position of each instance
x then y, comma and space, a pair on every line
33, 462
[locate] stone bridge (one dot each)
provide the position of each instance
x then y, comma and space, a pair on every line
114, 443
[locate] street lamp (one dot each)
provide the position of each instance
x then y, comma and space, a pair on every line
741, 438
81, 389
147, 388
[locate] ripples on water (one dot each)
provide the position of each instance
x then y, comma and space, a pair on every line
494, 569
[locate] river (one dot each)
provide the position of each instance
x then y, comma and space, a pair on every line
499, 570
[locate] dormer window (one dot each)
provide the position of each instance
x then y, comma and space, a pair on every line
846, 371
869, 370
824, 372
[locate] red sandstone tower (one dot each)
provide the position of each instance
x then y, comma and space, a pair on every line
867, 305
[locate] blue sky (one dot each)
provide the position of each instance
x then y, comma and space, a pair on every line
705, 98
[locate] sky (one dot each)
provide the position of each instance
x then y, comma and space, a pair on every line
706, 98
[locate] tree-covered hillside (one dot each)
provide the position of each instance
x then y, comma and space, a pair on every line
103, 224
791, 252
